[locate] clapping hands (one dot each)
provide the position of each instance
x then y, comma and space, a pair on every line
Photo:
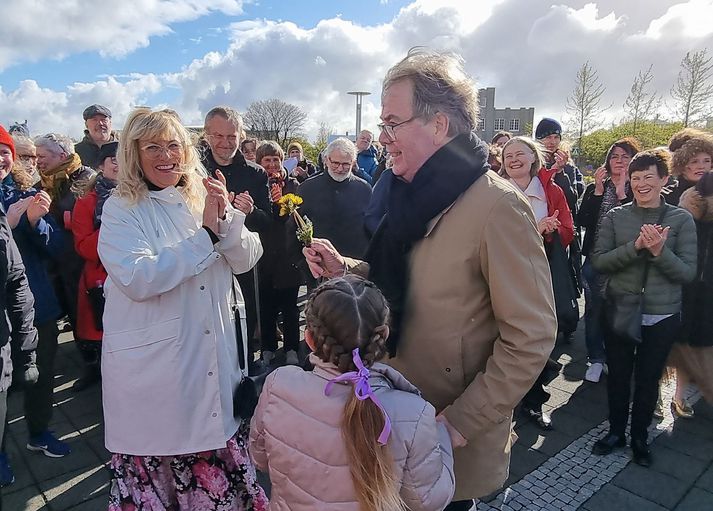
652, 238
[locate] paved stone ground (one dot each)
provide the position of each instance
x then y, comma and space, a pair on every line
550, 470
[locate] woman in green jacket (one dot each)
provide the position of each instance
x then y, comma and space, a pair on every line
646, 230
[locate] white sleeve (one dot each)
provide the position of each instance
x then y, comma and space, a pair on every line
135, 267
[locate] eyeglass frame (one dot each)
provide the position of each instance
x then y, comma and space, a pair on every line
340, 164
146, 148
389, 128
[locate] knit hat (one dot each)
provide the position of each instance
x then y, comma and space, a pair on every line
6, 139
546, 127
108, 150
295, 145
93, 110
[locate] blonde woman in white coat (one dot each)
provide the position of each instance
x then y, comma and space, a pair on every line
171, 241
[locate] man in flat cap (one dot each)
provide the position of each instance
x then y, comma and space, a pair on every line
97, 120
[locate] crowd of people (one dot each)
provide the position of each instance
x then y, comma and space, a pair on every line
441, 270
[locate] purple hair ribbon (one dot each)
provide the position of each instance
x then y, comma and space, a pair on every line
362, 390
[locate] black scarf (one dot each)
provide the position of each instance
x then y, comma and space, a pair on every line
410, 207
103, 186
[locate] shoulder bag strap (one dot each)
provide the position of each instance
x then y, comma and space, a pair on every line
647, 264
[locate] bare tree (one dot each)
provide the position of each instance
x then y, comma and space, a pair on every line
583, 105
274, 119
641, 103
693, 91
323, 134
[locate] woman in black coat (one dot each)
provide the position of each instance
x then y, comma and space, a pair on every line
279, 277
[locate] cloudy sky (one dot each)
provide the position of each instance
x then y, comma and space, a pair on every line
58, 57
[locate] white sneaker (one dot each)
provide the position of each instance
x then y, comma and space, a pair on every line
594, 372
267, 356
291, 358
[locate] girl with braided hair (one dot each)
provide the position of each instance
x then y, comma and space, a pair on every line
353, 434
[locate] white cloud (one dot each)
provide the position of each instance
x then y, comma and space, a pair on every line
692, 20
114, 28
529, 50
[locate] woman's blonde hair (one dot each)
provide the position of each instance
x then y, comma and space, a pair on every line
343, 314
144, 123
531, 144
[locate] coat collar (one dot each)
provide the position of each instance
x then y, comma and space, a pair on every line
380, 375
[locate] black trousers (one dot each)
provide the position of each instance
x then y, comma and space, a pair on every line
646, 362
459, 505
38, 397
272, 302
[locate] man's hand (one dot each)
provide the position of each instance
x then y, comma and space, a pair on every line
457, 440
323, 259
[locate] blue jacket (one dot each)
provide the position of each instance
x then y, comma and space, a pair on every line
38, 246
367, 162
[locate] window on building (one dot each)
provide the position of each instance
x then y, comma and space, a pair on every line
514, 124
499, 124
481, 125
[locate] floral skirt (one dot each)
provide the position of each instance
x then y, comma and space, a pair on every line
220, 480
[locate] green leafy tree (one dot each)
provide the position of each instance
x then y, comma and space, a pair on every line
594, 146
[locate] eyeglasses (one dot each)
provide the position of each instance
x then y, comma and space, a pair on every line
154, 151
27, 157
389, 129
343, 164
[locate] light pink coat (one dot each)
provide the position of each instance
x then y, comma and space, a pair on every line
296, 437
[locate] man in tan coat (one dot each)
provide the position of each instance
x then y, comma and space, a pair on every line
460, 259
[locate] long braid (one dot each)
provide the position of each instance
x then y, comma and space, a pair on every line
344, 314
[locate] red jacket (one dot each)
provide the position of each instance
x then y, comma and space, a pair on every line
556, 201
86, 238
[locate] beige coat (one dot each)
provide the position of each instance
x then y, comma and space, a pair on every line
479, 324
296, 436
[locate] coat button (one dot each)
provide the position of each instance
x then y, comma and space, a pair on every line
448, 369
215, 414
202, 288
210, 373
206, 332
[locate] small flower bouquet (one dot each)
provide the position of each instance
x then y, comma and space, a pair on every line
289, 204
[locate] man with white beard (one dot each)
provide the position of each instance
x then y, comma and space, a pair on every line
97, 121
335, 200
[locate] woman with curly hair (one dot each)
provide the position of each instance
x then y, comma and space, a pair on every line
353, 434
170, 242
692, 355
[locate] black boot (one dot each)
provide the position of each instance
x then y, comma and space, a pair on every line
607, 444
90, 376
641, 452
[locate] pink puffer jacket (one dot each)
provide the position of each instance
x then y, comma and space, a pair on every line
295, 436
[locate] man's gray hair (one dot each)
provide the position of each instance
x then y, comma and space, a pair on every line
343, 145
440, 84
55, 143
227, 113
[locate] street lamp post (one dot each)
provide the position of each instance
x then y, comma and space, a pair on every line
359, 95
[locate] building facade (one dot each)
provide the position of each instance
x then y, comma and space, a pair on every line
518, 121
